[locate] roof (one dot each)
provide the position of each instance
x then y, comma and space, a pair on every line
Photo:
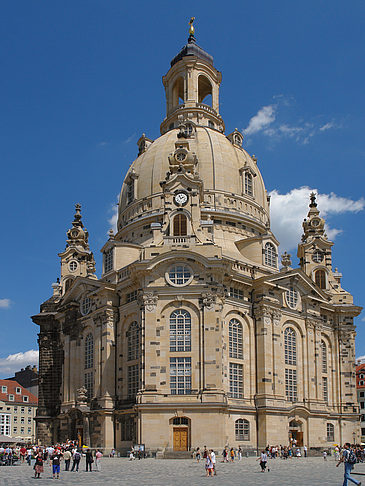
192, 49
11, 386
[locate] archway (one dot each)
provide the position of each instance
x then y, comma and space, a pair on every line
295, 433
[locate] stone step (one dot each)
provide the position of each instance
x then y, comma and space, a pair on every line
177, 455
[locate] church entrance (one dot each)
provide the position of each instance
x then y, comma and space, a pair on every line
180, 439
295, 433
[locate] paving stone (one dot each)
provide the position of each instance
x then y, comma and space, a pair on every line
182, 472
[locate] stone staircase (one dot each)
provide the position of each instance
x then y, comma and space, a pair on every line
166, 454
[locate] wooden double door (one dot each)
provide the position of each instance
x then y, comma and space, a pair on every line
181, 438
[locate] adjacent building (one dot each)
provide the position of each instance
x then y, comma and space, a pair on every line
28, 378
18, 408
195, 334
360, 387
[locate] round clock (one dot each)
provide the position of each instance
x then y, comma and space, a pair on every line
181, 198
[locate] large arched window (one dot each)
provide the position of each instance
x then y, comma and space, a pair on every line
242, 429
235, 339
89, 364
89, 351
248, 186
180, 331
320, 278
133, 340
180, 225
290, 346
324, 356
270, 255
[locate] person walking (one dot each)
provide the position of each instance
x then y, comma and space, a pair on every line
89, 460
56, 463
76, 460
213, 460
38, 467
67, 459
349, 459
98, 456
263, 460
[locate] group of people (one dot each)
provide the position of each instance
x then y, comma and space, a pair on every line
38, 457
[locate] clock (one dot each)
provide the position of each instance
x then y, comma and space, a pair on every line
181, 198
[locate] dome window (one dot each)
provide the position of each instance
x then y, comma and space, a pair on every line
270, 255
85, 306
292, 297
248, 187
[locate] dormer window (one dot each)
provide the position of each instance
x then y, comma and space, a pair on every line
270, 256
248, 186
320, 279
108, 260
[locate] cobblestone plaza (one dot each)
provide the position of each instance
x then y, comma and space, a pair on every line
153, 472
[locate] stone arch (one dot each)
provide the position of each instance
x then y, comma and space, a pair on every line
205, 89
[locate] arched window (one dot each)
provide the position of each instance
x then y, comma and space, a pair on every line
89, 351
68, 284
242, 429
270, 255
235, 339
133, 339
290, 346
330, 433
324, 356
248, 187
180, 331
204, 90
180, 225
178, 92
320, 278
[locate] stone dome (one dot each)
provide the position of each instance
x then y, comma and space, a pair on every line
221, 165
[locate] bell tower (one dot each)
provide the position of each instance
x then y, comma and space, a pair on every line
192, 88
77, 260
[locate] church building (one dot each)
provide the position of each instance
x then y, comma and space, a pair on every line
194, 334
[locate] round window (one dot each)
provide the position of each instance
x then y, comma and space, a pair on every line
180, 156
317, 256
73, 266
179, 275
292, 297
85, 306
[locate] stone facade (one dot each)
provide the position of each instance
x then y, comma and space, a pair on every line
193, 335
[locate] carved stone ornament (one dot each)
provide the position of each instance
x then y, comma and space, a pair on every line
209, 300
81, 395
276, 317
148, 300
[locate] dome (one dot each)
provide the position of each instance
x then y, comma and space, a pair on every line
221, 165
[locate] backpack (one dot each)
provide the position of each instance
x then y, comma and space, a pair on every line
351, 458
77, 456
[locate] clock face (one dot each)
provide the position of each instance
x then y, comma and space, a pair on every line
181, 198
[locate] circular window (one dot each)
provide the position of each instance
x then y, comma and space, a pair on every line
180, 156
74, 234
85, 306
73, 265
179, 275
317, 256
292, 297
315, 222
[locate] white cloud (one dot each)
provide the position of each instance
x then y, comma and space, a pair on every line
113, 220
5, 303
263, 118
14, 362
272, 121
288, 211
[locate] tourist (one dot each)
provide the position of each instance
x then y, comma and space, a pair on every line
324, 455
239, 453
231, 452
263, 460
56, 463
89, 460
23, 453
76, 458
197, 454
208, 465
98, 456
38, 467
305, 451
213, 459
349, 459
67, 459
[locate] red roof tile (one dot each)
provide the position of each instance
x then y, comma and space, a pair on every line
18, 397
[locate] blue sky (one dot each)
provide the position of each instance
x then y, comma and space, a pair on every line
81, 81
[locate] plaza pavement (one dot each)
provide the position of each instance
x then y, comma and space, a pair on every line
183, 472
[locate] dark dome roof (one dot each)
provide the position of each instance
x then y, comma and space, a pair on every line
192, 49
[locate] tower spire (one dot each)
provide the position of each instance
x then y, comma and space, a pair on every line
191, 30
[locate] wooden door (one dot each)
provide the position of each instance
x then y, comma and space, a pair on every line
299, 438
180, 439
